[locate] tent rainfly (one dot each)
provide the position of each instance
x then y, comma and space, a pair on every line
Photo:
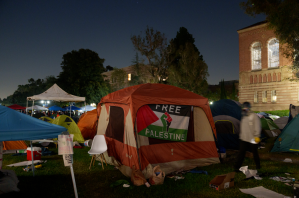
57, 94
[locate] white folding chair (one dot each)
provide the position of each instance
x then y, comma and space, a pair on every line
98, 147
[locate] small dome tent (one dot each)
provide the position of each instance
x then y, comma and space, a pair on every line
226, 107
70, 125
88, 124
173, 127
227, 115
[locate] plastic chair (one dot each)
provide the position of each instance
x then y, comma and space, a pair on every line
98, 147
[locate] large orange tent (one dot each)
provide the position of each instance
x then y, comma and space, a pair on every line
14, 145
88, 124
121, 112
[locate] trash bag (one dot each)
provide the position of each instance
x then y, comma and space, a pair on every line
137, 177
157, 177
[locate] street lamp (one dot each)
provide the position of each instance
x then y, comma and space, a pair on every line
45, 103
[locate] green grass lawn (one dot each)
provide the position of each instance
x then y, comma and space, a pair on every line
54, 179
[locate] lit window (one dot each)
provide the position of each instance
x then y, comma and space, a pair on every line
273, 53
129, 77
255, 97
256, 50
273, 96
264, 96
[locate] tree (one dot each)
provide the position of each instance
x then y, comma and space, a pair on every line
139, 72
233, 94
187, 68
190, 72
179, 42
118, 77
222, 90
108, 68
153, 47
81, 75
282, 17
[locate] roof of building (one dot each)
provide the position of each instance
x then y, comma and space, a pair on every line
256, 24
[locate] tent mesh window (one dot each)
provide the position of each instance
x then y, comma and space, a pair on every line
115, 128
224, 127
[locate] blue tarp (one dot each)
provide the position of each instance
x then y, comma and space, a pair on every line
56, 108
226, 107
73, 108
18, 126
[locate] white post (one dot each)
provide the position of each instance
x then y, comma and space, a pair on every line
32, 166
70, 109
27, 107
74, 181
32, 108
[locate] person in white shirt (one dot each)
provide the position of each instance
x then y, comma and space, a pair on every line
250, 131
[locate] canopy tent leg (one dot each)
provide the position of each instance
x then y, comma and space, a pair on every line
70, 110
85, 106
32, 108
32, 166
1, 154
27, 107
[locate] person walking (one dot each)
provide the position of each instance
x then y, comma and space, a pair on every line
250, 131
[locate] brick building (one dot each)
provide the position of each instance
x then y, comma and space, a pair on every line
145, 76
263, 70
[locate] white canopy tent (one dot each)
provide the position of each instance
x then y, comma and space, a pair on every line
87, 108
36, 107
57, 94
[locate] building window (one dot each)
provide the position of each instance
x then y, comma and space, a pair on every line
273, 96
255, 100
129, 77
255, 79
264, 96
251, 79
273, 53
256, 50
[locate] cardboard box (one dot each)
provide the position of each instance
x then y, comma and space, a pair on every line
223, 181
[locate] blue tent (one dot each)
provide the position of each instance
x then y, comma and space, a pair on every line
56, 108
73, 108
226, 107
288, 138
19, 126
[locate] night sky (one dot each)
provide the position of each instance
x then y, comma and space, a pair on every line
34, 35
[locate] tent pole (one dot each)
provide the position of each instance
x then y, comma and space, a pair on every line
85, 105
32, 166
27, 107
74, 181
32, 108
1, 154
70, 109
